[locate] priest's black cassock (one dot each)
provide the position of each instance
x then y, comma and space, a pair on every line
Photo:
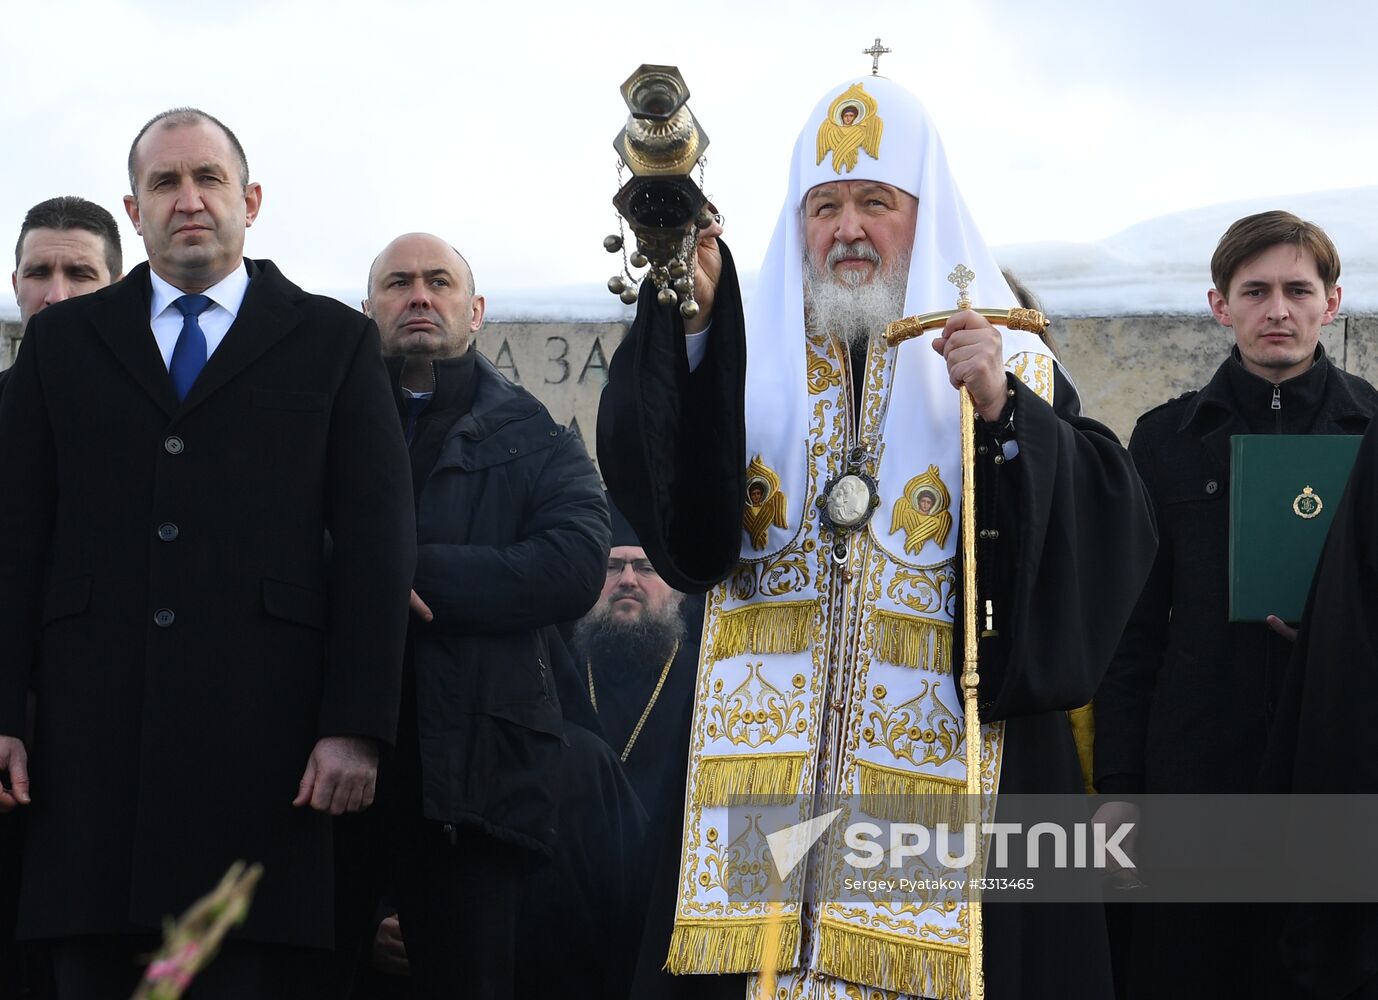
656, 769
577, 930
1075, 543
651, 764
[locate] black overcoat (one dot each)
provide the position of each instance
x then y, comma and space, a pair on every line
512, 537
164, 588
1184, 705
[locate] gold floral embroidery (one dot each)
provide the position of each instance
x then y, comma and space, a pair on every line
786, 573
922, 730
928, 591
741, 868
1035, 371
756, 713
822, 375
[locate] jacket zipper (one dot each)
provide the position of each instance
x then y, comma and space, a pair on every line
1277, 408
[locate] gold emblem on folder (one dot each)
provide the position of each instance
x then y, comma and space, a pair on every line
765, 504
1307, 504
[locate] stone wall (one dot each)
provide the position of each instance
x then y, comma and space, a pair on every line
1122, 366
1126, 365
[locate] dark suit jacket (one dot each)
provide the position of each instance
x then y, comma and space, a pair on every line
164, 589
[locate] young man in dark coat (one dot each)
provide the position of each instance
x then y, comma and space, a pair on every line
1185, 704
512, 535
186, 439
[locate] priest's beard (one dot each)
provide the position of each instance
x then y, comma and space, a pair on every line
846, 306
629, 645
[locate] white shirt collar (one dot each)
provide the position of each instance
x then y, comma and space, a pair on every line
228, 293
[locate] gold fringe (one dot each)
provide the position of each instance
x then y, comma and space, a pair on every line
1083, 722
729, 944
907, 797
910, 641
775, 627
766, 778
920, 968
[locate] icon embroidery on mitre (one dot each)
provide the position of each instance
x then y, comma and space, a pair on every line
851, 125
922, 512
765, 504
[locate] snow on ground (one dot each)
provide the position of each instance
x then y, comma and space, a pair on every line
1158, 266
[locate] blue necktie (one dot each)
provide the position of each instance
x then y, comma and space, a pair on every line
189, 356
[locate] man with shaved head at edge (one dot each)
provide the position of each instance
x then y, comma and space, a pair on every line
512, 534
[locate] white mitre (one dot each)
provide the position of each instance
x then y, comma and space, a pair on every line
891, 140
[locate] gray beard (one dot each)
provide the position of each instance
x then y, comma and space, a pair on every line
628, 645
845, 307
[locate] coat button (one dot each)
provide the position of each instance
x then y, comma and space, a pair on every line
164, 618
173, 445
167, 531
1211, 487
511, 451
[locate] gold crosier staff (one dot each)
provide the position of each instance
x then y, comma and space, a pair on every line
896, 333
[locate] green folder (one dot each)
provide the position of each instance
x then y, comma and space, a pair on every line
1284, 489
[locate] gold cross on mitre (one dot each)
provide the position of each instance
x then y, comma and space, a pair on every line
875, 52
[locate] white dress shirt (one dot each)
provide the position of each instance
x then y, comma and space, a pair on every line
696, 346
166, 319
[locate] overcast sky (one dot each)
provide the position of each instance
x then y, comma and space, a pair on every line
491, 123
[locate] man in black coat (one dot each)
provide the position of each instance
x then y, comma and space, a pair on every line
1185, 704
67, 246
185, 440
512, 535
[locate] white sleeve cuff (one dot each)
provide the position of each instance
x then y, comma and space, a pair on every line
696, 346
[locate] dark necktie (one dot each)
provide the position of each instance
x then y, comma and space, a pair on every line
189, 356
